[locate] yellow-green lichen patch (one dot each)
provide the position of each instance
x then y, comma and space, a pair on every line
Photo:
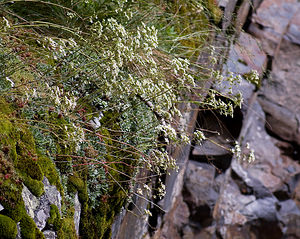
8, 228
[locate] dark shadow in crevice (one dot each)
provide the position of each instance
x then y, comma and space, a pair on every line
221, 163
155, 211
283, 193
287, 148
269, 66
211, 120
200, 215
248, 20
263, 229
221, 132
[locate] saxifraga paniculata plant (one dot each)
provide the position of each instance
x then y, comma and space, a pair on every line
98, 84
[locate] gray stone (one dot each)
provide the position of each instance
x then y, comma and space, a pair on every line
39, 208
230, 205
198, 182
293, 33
132, 224
181, 214
77, 207
49, 234
244, 56
187, 232
42, 213
229, 6
292, 228
52, 194
215, 146
279, 97
264, 208
287, 208
275, 16
242, 15
206, 233
19, 231
31, 202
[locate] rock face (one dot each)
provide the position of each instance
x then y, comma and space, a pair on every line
259, 199
218, 196
277, 25
39, 208
77, 207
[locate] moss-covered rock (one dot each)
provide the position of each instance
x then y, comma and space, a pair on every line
67, 230
29, 229
77, 184
36, 187
49, 170
8, 228
54, 220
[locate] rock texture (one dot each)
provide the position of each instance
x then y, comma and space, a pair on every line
217, 196
77, 207
261, 199
39, 208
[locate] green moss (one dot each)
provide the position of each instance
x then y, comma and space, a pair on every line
87, 227
77, 184
35, 186
29, 168
96, 222
54, 220
8, 228
10, 195
15, 211
50, 171
67, 230
5, 126
29, 229
27, 138
5, 108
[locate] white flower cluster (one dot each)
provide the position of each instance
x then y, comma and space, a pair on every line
199, 137
169, 132
253, 77
75, 135
223, 107
147, 213
161, 161
6, 23
180, 69
58, 47
129, 67
240, 156
161, 189
65, 101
